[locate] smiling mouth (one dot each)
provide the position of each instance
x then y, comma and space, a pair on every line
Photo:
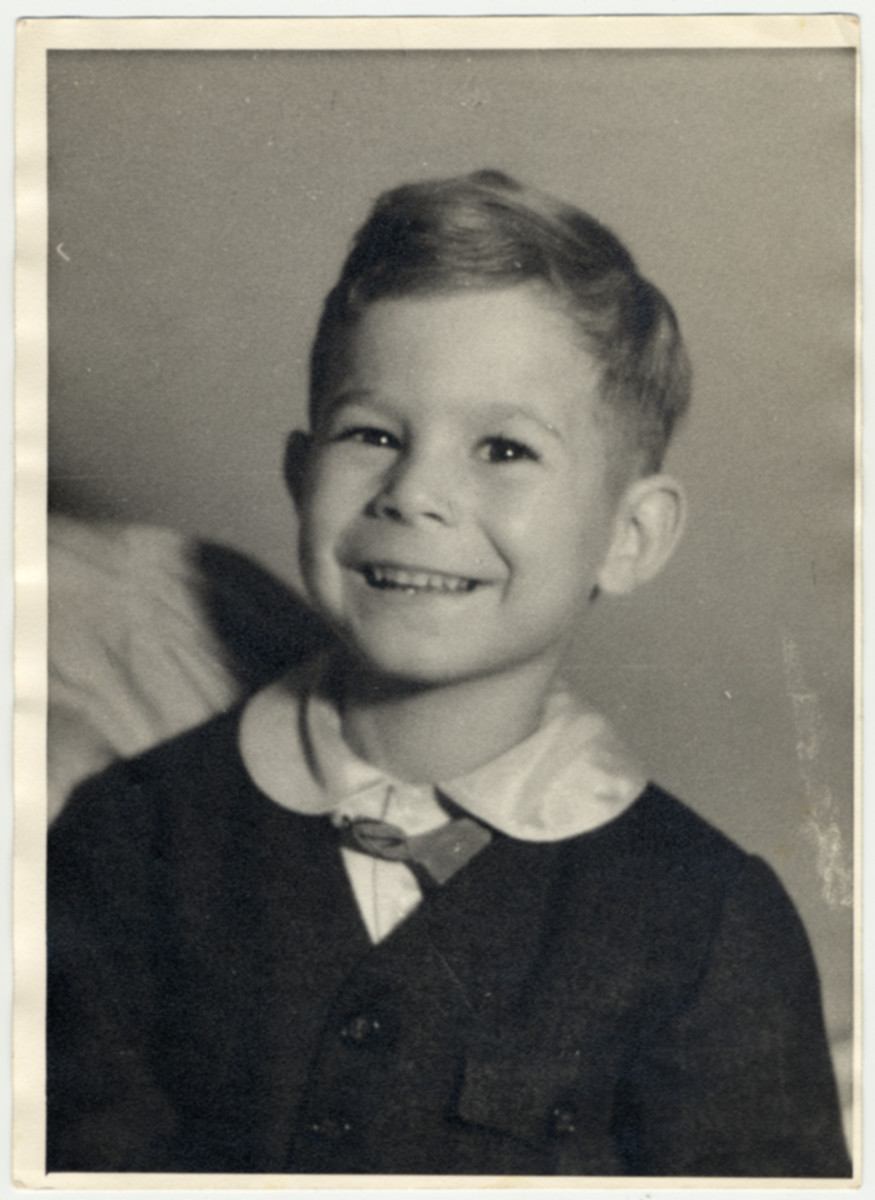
415, 582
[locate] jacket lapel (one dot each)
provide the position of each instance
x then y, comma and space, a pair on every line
483, 929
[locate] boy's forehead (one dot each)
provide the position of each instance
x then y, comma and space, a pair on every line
502, 336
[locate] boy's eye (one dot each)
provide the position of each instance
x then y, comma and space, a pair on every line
506, 450
368, 435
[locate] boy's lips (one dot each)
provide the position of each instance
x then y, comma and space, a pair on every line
415, 580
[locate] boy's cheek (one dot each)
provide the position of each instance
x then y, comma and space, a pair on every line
338, 483
321, 512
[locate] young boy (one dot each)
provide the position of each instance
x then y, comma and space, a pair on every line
414, 909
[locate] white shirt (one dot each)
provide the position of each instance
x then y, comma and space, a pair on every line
570, 776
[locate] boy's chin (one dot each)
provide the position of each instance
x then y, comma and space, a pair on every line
394, 670
388, 669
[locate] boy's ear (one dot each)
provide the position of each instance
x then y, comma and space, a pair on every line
650, 520
297, 456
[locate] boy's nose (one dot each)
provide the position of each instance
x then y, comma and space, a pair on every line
416, 489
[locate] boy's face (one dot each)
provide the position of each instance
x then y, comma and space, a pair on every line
455, 510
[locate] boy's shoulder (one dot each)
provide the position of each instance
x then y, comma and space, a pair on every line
664, 877
210, 743
659, 817
198, 768
659, 827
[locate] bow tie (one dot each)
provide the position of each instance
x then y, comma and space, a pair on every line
433, 857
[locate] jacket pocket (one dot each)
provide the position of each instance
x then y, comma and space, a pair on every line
531, 1098
557, 1104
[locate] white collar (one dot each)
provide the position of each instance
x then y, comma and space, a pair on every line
570, 776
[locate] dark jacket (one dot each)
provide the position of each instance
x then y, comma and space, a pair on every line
639, 1000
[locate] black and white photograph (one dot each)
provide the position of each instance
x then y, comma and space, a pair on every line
438, 746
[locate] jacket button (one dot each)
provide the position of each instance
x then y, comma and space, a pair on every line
563, 1121
361, 1029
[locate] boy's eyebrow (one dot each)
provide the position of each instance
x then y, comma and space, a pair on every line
330, 403
504, 411
349, 396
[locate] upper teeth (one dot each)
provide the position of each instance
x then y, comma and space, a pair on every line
416, 580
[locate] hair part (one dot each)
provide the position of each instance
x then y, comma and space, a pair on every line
486, 230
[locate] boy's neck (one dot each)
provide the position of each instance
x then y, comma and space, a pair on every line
426, 734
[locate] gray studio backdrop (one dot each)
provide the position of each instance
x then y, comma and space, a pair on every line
203, 203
